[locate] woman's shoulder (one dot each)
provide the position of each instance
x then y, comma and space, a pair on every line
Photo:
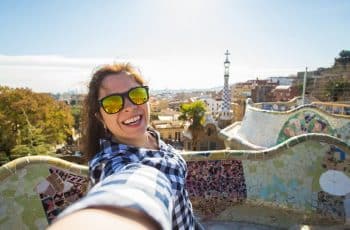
108, 149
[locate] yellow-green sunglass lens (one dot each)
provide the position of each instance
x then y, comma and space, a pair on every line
138, 96
112, 104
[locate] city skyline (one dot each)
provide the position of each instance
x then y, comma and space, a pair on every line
54, 46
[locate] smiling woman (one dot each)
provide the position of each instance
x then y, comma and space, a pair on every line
124, 153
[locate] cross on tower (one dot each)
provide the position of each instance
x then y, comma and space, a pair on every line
227, 53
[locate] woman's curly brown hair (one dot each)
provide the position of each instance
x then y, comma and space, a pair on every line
93, 128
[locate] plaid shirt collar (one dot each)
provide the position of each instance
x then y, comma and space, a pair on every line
111, 148
113, 156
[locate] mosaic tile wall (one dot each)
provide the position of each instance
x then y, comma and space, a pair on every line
304, 122
343, 109
34, 190
278, 106
329, 107
288, 180
296, 101
21, 207
268, 128
221, 184
59, 190
343, 132
215, 185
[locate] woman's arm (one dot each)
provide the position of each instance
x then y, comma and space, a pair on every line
106, 218
137, 196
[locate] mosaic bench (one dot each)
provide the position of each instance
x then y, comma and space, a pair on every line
262, 129
278, 187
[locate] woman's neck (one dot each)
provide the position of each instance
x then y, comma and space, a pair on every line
146, 141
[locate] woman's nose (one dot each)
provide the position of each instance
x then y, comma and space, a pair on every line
128, 104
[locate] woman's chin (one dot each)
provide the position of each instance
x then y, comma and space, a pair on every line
137, 128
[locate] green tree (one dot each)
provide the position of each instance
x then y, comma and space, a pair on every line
344, 53
32, 123
76, 113
337, 89
194, 113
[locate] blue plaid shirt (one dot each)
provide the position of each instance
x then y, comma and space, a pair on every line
115, 157
138, 187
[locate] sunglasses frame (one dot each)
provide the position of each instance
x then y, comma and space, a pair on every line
123, 96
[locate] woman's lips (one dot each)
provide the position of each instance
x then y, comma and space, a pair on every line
133, 120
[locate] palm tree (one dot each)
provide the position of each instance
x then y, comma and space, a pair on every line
194, 113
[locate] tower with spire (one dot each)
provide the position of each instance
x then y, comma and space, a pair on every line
226, 111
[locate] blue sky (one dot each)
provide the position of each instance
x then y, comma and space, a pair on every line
55, 45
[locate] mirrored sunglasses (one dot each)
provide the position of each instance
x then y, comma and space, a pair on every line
113, 103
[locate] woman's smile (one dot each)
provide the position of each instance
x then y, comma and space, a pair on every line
133, 121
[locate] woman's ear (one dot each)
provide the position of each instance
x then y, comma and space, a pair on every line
107, 133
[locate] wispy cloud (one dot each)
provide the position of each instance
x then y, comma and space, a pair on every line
60, 74
44, 73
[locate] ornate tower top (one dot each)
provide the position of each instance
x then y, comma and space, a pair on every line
227, 64
226, 112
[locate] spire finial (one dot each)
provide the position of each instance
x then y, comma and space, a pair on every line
227, 53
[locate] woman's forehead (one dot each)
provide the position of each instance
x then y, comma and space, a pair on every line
117, 83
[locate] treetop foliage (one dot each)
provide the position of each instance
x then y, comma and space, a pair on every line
31, 122
344, 53
194, 113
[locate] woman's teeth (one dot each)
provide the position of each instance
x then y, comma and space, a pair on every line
132, 120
